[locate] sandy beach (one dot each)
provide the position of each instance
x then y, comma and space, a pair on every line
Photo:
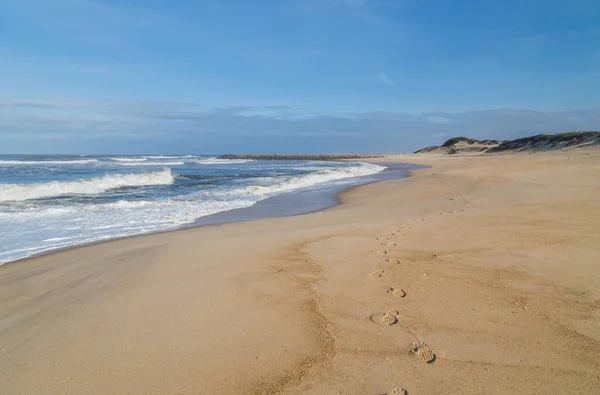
477, 275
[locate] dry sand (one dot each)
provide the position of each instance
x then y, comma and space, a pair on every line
499, 257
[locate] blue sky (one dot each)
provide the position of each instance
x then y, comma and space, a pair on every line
160, 76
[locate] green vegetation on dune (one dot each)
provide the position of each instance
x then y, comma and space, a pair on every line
455, 140
555, 138
570, 138
537, 142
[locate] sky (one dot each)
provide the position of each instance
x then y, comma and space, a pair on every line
218, 76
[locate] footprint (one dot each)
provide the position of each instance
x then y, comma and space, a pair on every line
382, 252
377, 274
391, 244
392, 260
423, 351
398, 391
383, 238
397, 292
391, 317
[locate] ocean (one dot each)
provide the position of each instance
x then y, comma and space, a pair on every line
53, 202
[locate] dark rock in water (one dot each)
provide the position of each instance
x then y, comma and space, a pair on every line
299, 156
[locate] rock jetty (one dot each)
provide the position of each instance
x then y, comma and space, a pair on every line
300, 156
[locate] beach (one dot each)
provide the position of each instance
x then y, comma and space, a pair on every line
52, 202
491, 262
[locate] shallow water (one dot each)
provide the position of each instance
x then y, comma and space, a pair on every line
51, 202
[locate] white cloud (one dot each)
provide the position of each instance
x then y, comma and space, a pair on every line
440, 120
385, 79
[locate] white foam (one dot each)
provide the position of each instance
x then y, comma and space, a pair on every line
47, 162
28, 228
318, 177
21, 192
42, 228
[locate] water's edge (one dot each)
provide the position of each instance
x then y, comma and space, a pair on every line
284, 205
302, 202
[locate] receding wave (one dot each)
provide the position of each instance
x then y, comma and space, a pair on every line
92, 186
318, 177
221, 161
47, 162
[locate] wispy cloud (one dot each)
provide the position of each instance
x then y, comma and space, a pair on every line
27, 104
385, 79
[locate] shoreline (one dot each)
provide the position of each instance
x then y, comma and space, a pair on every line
230, 216
496, 256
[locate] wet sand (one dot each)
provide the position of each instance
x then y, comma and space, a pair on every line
497, 258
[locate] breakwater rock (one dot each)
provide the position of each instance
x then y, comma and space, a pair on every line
300, 156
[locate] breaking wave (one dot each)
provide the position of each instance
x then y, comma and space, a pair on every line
21, 192
310, 179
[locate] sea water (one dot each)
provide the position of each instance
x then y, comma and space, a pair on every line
52, 202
